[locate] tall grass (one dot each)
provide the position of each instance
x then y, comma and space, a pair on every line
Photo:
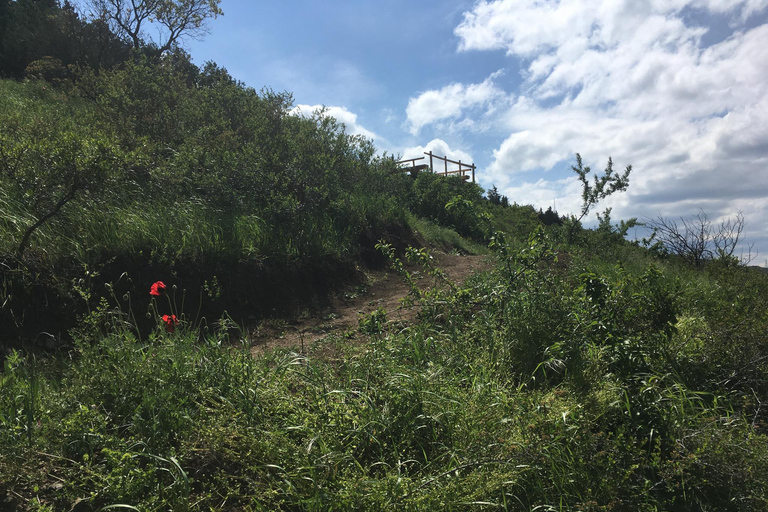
449, 413
443, 238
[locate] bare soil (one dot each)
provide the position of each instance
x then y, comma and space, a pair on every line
383, 289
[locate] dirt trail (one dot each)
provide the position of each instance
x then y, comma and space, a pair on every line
384, 289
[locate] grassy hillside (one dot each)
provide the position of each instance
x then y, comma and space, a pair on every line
583, 372
163, 171
558, 381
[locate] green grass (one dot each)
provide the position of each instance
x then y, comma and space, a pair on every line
452, 413
443, 238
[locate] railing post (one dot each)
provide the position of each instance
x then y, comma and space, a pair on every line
462, 170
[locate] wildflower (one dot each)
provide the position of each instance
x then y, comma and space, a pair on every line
157, 289
170, 322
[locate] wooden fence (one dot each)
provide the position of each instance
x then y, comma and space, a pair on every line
462, 170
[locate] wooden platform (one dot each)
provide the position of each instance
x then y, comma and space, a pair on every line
414, 169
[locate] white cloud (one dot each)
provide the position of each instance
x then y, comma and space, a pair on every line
312, 78
746, 7
341, 114
528, 28
562, 195
451, 102
389, 115
632, 80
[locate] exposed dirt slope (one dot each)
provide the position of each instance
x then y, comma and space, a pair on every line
384, 289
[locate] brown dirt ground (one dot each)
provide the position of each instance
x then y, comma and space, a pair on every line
384, 289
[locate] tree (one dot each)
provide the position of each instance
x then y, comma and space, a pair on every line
51, 158
42, 31
27, 31
602, 187
550, 217
494, 196
697, 240
174, 19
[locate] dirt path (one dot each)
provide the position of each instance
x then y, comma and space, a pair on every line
384, 289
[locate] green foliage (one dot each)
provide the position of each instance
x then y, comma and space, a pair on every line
449, 202
601, 187
581, 373
443, 238
374, 322
550, 217
584, 386
53, 163
517, 221
48, 68
495, 198
164, 165
161, 164
47, 39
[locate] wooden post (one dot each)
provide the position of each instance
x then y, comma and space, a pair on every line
445, 161
460, 171
473, 173
431, 169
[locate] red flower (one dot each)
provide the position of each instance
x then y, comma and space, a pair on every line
170, 322
157, 289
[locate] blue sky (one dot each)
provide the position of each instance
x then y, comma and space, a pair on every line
677, 88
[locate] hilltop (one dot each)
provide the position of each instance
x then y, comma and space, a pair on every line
573, 370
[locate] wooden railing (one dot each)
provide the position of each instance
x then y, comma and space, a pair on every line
462, 170
413, 166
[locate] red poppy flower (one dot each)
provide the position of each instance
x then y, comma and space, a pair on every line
157, 289
170, 322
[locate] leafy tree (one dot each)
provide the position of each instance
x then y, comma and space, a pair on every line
433, 192
550, 217
33, 30
91, 44
175, 18
50, 158
495, 197
618, 231
27, 30
601, 187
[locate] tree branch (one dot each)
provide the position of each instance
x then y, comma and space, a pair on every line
67, 197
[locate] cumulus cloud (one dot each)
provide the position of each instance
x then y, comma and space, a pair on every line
529, 28
451, 102
341, 114
633, 80
562, 195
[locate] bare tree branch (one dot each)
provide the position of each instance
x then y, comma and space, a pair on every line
697, 240
175, 19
